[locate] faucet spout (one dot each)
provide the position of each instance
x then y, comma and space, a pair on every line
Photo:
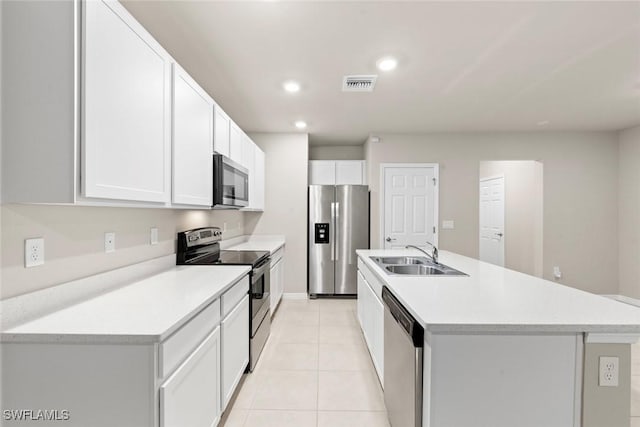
433, 255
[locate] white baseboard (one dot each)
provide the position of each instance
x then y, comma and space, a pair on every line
295, 295
624, 299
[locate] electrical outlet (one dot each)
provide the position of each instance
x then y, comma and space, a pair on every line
109, 242
557, 273
153, 238
33, 252
609, 371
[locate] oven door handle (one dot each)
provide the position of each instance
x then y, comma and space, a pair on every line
259, 271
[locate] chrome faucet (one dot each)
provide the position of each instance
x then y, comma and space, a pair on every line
433, 255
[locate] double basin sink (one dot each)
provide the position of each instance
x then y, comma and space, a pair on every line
414, 266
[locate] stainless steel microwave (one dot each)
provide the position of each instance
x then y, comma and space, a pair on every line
230, 184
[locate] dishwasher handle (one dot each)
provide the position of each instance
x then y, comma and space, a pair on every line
407, 322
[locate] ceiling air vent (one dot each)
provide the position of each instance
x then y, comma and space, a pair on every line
359, 83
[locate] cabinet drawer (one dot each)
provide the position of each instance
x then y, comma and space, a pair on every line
234, 295
277, 255
191, 396
178, 346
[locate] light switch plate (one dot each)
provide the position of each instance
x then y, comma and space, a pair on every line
448, 225
109, 242
33, 252
153, 238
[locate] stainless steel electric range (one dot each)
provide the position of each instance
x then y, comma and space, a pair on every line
201, 247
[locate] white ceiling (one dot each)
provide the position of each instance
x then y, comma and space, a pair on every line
463, 66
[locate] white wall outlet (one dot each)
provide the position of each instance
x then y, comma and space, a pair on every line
109, 242
609, 371
224, 226
33, 252
153, 237
557, 273
448, 225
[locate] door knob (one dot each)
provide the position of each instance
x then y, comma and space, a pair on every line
499, 234
388, 239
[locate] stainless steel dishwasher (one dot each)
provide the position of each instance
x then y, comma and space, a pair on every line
403, 355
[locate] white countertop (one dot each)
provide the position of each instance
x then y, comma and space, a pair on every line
257, 243
495, 299
146, 311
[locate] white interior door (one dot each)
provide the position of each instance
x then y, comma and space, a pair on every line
492, 220
410, 206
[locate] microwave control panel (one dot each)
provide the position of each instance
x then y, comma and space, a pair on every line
322, 233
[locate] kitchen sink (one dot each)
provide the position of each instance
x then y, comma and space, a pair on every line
415, 266
401, 260
421, 270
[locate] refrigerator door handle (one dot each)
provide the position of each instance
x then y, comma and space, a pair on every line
332, 232
337, 234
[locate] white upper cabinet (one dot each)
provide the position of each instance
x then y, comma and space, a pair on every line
259, 180
192, 141
350, 172
126, 108
337, 172
253, 160
235, 143
221, 131
322, 172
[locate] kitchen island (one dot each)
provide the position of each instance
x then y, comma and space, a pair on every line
502, 348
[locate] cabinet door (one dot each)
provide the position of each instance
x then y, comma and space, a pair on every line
259, 182
322, 172
192, 141
349, 172
235, 143
275, 284
281, 280
377, 335
126, 108
221, 131
235, 348
191, 396
361, 299
248, 161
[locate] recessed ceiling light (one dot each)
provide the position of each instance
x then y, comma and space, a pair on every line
387, 63
300, 124
543, 123
291, 86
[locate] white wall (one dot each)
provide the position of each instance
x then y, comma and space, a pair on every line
523, 212
335, 152
580, 193
74, 240
285, 202
629, 212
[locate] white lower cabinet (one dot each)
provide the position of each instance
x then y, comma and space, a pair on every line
371, 317
235, 348
191, 396
185, 380
276, 279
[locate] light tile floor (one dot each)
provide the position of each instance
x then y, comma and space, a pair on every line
315, 371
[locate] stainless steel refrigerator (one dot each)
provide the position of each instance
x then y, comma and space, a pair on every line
338, 225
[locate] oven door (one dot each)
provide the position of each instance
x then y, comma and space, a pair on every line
230, 183
260, 294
